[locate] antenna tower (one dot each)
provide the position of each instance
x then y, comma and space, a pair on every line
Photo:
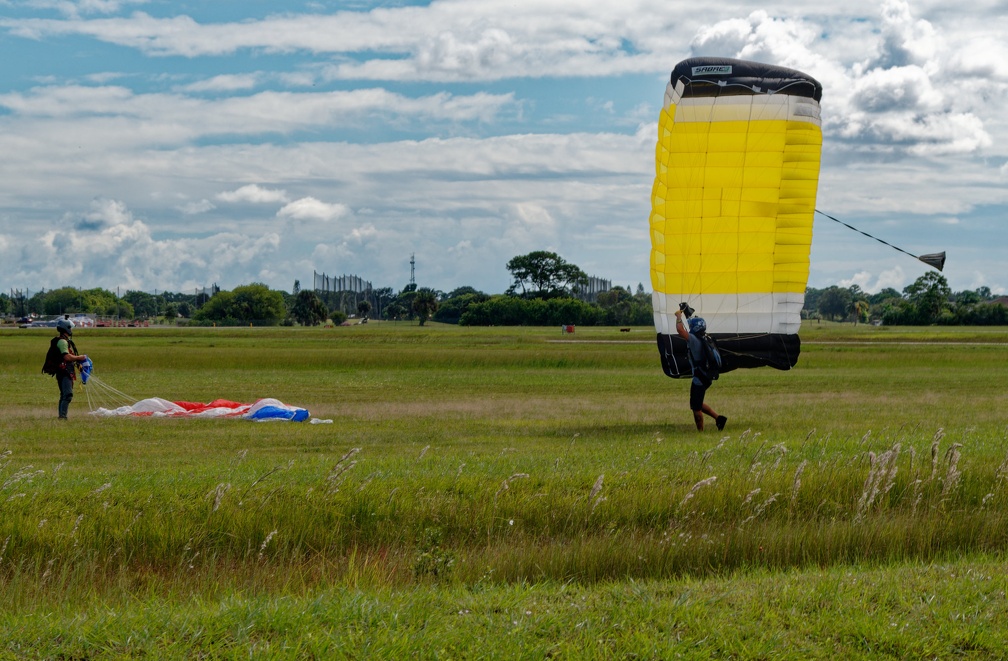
412, 269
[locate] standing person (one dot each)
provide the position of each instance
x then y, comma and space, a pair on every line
700, 358
60, 361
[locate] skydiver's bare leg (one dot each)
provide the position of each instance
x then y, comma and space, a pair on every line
698, 416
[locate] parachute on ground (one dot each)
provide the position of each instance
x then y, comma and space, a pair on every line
736, 172
106, 401
263, 409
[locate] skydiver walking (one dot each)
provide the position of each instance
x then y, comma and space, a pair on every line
59, 362
704, 371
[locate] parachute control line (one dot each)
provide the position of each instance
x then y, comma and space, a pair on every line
935, 260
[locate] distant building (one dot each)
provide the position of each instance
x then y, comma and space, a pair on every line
589, 291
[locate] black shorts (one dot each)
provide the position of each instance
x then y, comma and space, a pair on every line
696, 396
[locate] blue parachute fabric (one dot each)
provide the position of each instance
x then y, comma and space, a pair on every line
278, 413
85, 369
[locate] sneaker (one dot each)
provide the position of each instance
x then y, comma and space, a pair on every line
720, 422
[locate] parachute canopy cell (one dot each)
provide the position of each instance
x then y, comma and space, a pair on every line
736, 173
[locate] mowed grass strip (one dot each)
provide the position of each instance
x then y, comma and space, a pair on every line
491, 457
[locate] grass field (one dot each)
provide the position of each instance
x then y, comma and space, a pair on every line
507, 493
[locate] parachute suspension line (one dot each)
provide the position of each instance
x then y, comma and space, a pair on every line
936, 260
105, 396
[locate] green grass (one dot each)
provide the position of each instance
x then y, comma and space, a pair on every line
507, 492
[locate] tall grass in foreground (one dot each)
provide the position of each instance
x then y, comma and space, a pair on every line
565, 511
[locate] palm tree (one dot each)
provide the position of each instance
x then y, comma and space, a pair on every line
424, 304
860, 310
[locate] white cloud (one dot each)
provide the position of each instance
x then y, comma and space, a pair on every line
193, 208
309, 208
906, 40
898, 89
254, 194
893, 278
223, 83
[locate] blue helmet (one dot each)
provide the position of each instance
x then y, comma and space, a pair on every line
65, 325
697, 325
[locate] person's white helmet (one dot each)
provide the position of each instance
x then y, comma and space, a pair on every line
65, 325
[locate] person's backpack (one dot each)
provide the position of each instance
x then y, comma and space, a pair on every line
53, 358
709, 368
713, 355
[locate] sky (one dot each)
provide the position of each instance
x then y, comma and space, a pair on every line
156, 145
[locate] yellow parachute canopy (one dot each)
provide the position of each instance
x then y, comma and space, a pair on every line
736, 173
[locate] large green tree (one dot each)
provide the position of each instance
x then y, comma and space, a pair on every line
144, 305
835, 302
930, 295
543, 274
308, 309
248, 304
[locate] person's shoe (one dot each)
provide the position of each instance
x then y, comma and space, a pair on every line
720, 422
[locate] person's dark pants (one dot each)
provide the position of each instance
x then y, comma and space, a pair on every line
65, 382
696, 396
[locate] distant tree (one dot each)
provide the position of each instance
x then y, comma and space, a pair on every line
456, 302
218, 308
145, 306
254, 303
382, 297
516, 311
308, 309
62, 300
968, 297
462, 291
395, 311
930, 295
363, 308
884, 295
835, 302
543, 274
424, 304
861, 308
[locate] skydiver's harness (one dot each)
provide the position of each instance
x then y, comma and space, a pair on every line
54, 363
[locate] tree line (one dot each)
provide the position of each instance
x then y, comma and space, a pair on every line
928, 300
543, 292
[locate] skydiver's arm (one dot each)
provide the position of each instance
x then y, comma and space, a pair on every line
680, 326
70, 357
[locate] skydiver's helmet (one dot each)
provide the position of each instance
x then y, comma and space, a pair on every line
65, 326
697, 325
